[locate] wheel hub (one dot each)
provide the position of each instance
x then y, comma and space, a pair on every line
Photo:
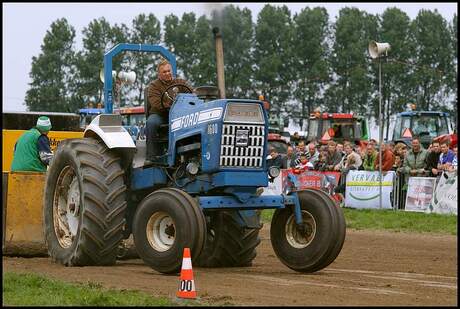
161, 231
66, 207
73, 207
300, 236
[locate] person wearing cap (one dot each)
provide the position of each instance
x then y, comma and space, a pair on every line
32, 150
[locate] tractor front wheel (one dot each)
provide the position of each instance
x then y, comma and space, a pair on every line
166, 222
315, 243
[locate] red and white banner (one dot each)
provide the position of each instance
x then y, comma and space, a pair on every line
305, 179
419, 193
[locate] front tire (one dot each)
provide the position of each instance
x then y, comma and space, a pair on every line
166, 222
320, 241
84, 204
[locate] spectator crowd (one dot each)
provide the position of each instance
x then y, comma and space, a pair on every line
342, 158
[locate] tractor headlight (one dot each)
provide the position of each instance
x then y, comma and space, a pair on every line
192, 168
274, 171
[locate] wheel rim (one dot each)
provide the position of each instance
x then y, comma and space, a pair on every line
66, 207
301, 237
161, 231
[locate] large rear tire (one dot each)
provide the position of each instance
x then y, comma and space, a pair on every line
167, 221
319, 243
228, 244
84, 204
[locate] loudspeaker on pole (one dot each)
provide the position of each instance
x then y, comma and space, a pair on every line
376, 49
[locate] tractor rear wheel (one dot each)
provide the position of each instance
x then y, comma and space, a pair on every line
228, 244
84, 204
315, 244
167, 221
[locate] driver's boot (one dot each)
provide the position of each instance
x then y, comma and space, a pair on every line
156, 159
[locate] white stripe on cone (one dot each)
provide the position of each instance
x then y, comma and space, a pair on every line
187, 263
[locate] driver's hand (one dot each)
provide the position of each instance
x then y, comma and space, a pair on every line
169, 98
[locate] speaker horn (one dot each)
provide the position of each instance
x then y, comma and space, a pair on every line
376, 49
101, 75
127, 77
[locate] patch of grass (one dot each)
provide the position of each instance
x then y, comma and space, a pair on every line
400, 221
31, 289
397, 221
267, 215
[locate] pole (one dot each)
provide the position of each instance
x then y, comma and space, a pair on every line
219, 62
380, 133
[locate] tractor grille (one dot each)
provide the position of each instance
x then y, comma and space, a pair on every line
250, 155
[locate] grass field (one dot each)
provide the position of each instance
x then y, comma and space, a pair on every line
396, 221
32, 289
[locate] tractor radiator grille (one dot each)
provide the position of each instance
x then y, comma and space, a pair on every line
250, 155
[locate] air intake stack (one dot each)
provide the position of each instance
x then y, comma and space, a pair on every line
219, 62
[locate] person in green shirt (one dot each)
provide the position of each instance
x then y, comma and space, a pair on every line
32, 150
370, 158
415, 161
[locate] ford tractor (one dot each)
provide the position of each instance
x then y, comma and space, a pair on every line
205, 195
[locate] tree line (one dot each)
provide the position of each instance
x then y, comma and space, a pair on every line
297, 61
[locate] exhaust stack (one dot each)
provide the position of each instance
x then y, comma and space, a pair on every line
219, 62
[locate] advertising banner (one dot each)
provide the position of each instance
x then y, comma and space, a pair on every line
310, 179
305, 179
419, 193
363, 189
444, 199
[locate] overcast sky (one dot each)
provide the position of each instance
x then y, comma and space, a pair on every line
25, 26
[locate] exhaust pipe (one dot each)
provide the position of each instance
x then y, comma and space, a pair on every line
219, 62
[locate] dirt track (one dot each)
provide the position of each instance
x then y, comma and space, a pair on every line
373, 269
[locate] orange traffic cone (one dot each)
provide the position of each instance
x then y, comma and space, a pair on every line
187, 284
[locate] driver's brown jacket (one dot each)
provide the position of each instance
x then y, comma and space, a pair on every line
156, 89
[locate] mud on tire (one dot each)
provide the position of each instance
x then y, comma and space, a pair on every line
84, 204
228, 244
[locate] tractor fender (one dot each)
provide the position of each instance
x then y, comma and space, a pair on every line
108, 127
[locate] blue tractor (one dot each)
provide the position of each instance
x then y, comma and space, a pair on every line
427, 125
206, 195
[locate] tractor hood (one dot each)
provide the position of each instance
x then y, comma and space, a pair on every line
232, 132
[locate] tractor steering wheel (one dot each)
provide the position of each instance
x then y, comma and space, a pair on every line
175, 87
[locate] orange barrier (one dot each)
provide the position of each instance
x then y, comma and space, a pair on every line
22, 213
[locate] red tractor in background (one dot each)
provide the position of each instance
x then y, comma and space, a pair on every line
339, 127
451, 139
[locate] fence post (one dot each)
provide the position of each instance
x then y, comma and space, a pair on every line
395, 192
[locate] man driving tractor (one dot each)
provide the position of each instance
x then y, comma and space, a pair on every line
161, 94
